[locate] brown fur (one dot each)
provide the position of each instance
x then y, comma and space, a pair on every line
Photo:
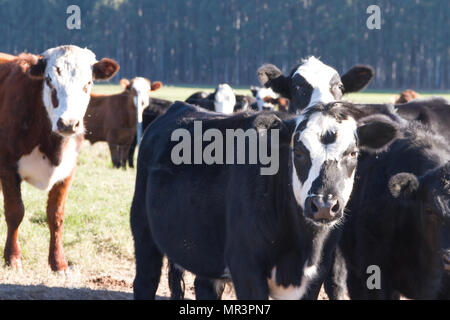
407, 96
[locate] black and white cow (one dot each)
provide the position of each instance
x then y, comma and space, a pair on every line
267, 99
265, 232
398, 220
223, 100
313, 82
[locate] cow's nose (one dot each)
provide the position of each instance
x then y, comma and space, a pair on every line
323, 208
67, 126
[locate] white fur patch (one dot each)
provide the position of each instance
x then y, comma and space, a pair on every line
36, 169
318, 76
225, 99
263, 93
69, 70
310, 272
317, 126
142, 98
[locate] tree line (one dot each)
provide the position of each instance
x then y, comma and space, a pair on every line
211, 41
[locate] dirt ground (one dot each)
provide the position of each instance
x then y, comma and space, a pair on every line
20, 285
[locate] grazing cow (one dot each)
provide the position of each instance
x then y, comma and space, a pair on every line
42, 103
405, 96
312, 82
113, 118
266, 232
396, 221
266, 99
155, 108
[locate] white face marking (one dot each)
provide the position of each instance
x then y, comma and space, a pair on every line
263, 93
317, 126
224, 100
36, 169
318, 76
142, 98
69, 72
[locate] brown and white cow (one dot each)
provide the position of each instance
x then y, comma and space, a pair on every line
113, 118
42, 103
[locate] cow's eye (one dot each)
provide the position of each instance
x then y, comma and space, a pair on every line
354, 154
428, 211
58, 71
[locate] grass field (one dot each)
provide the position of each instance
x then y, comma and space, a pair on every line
97, 235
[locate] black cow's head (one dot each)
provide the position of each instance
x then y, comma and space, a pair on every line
429, 197
325, 145
313, 82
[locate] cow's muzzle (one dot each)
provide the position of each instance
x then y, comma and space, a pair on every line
323, 209
68, 127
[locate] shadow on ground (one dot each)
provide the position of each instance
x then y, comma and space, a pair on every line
41, 292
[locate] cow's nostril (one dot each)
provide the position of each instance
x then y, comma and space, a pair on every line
77, 125
335, 208
314, 208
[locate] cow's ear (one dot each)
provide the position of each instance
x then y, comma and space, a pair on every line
105, 69
283, 102
403, 185
357, 78
156, 85
37, 70
376, 133
271, 77
270, 121
125, 83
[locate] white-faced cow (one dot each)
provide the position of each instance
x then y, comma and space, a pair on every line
223, 100
228, 221
113, 118
313, 82
42, 103
267, 99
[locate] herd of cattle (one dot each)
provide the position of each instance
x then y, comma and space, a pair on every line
358, 185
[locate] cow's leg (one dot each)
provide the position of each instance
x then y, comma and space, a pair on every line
249, 280
208, 289
115, 154
14, 212
124, 155
176, 282
131, 153
336, 280
55, 219
148, 257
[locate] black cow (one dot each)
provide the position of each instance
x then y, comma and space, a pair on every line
313, 81
397, 219
155, 108
266, 232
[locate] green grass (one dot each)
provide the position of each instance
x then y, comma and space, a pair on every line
97, 235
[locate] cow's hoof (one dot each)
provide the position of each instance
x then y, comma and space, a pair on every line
14, 262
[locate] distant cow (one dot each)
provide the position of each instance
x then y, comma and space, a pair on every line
396, 221
265, 232
405, 96
223, 100
267, 99
312, 82
155, 108
42, 103
113, 118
